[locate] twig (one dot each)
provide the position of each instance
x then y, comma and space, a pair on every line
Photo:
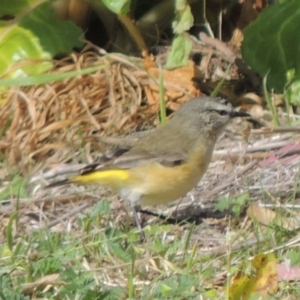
255, 148
279, 129
221, 250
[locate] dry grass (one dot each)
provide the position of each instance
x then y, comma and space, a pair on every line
43, 124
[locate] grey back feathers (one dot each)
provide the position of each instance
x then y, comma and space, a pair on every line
198, 122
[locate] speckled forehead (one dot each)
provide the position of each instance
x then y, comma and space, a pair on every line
218, 104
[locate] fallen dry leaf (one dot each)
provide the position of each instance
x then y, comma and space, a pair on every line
287, 273
260, 214
178, 84
263, 282
267, 216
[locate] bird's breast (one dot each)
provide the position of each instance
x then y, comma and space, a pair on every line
158, 184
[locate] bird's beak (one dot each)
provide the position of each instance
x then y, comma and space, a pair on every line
236, 114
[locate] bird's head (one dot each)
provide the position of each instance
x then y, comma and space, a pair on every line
207, 115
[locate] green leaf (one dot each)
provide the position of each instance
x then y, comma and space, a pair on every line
272, 43
182, 44
31, 36
293, 92
7, 9
119, 7
180, 51
223, 204
9, 230
294, 256
56, 37
18, 45
184, 18
14, 188
165, 289
236, 204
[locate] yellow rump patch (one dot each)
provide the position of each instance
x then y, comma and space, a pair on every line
103, 177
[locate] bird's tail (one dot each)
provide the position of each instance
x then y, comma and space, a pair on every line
58, 183
112, 178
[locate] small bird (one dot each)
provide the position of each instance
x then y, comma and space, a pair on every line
168, 162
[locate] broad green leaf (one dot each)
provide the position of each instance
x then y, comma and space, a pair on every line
272, 43
7, 8
119, 7
18, 45
180, 51
31, 36
56, 37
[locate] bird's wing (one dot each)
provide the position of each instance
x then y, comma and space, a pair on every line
138, 157
134, 158
150, 148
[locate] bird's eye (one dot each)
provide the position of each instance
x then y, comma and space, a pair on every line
223, 101
222, 112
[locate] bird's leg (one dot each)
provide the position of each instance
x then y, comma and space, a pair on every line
137, 221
